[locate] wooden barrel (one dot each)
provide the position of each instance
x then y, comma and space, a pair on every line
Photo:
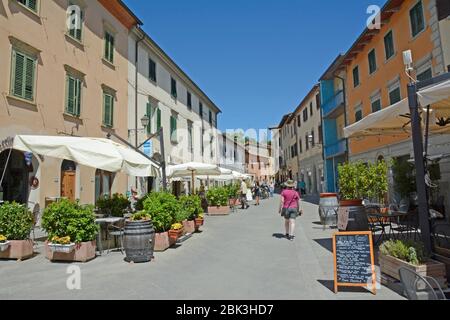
328, 207
139, 241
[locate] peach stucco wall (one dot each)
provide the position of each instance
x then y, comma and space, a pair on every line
421, 46
46, 33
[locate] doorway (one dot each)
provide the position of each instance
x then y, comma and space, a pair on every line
14, 186
68, 179
103, 184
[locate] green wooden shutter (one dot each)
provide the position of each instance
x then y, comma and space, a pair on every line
78, 98
173, 129
149, 115
70, 105
108, 110
29, 78
158, 119
18, 74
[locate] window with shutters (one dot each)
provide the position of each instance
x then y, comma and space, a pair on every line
395, 95
23, 75
108, 110
211, 142
75, 29
109, 47
299, 121
190, 138
200, 108
417, 19
305, 115
152, 70
210, 117
311, 112
173, 87
389, 45
202, 134
372, 61
376, 105
307, 142
356, 77
73, 95
189, 100
313, 138
301, 146
173, 129
318, 101
358, 113
320, 134
425, 75
30, 4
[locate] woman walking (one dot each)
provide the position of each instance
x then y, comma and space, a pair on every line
257, 191
289, 208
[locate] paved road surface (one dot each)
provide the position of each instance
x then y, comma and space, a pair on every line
241, 256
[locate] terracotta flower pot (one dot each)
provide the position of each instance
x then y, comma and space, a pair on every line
18, 249
174, 235
162, 242
84, 252
198, 223
189, 226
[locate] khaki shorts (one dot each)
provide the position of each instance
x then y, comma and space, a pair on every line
290, 213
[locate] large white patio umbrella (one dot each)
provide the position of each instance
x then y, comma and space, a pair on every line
97, 153
192, 169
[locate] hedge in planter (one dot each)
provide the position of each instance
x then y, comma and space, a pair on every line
397, 254
16, 223
192, 208
69, 219
218, 201
164, 208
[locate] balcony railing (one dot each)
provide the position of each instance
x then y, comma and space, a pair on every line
333, 104
336, 149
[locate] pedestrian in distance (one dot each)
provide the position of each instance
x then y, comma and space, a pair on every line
243, 191
257, 191
290, 208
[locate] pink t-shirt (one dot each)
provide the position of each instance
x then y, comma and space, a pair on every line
290, 198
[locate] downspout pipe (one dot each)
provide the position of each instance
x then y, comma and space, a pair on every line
136, 98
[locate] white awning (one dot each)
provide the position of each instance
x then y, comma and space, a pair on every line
395, 119
98, 153
197, 168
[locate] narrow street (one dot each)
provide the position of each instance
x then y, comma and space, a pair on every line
241, 256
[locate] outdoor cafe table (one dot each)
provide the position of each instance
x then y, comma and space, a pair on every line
106, 221
385, 220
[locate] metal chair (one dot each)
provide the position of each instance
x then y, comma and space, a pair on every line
117, 231
376, 225
417, 287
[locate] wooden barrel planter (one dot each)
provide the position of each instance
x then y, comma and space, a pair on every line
327, 208
139, 241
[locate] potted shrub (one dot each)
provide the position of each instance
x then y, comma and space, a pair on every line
192, 207
113, 206
16, 223
218, 201
67, 221
175, 232
163, 207
351, 183
395, 254
233, 194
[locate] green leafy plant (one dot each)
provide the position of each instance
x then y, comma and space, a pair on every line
114, 206
409, 251
164, 209
217, 197
69, 219
191, 206
403, 175
351, 180
233, 190
16, 221
376, 181
141, 216
139, 205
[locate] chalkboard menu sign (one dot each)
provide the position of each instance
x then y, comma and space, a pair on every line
353, 260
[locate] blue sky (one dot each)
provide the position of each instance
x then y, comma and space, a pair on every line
256, 59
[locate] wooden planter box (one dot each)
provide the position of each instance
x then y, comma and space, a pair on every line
218, 211
174, 235
189, 226
443, 255
162, 242
390, 266
83, 252
18, 249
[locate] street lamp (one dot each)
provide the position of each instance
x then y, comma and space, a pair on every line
145, 120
